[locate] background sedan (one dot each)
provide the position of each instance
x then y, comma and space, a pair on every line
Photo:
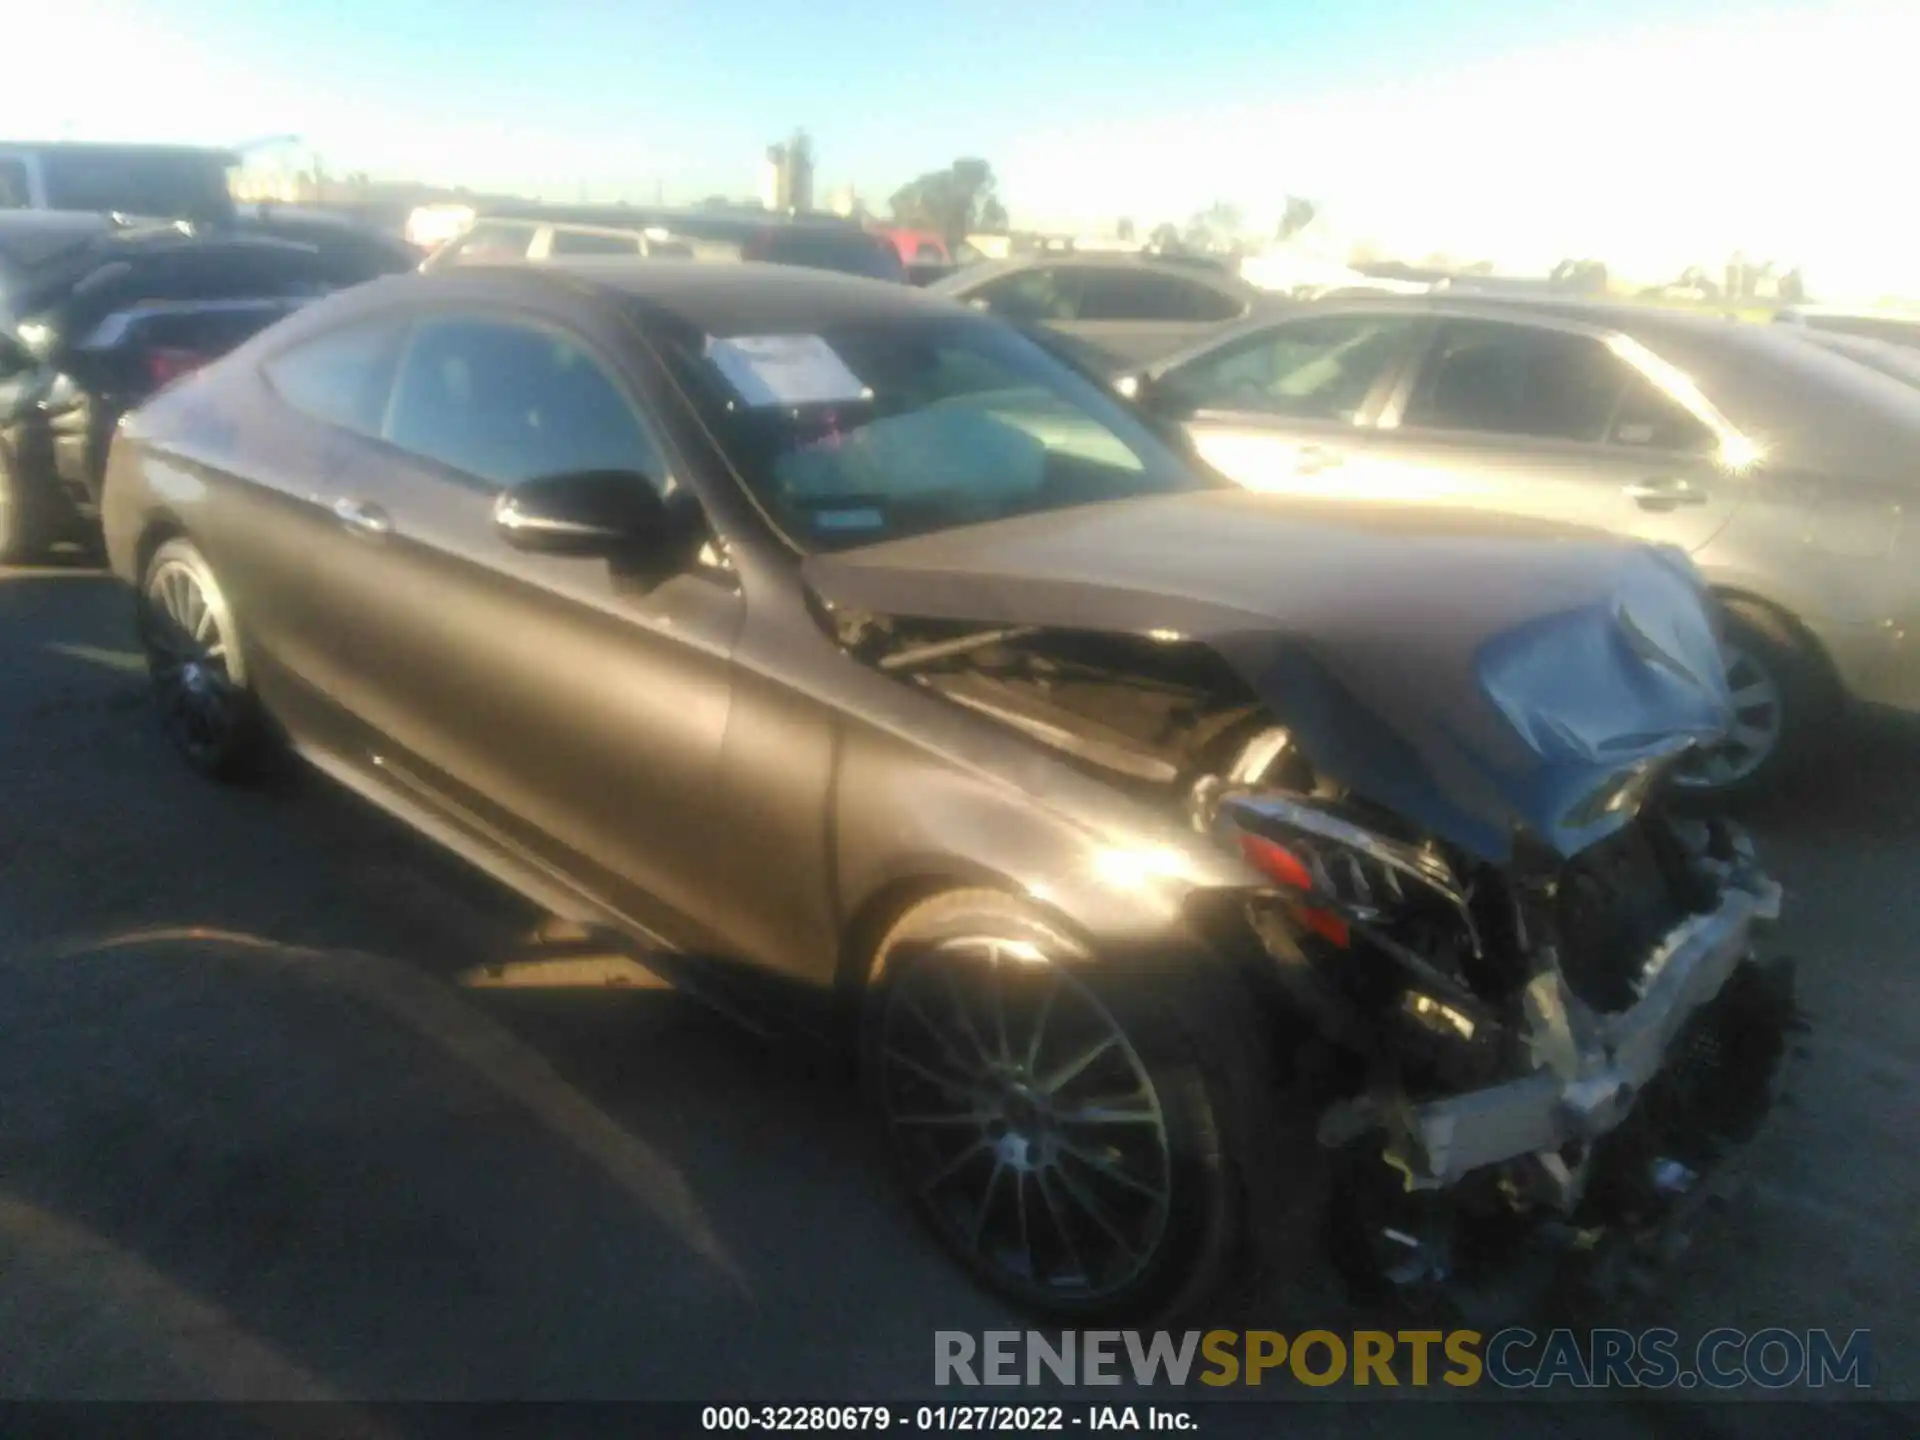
1785, 469
1131, 309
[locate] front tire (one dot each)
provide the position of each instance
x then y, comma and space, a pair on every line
1074, 1134
194, 659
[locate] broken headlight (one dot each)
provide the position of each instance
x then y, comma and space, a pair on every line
1360, 876
1354, 889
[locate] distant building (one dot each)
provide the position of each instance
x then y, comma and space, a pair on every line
786, 179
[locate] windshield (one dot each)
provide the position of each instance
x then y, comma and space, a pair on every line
962, 421
182, 186
851, 253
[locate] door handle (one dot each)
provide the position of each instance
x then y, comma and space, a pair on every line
361, 518
1664, 493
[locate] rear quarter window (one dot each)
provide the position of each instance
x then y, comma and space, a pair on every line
342, 377
1809, 408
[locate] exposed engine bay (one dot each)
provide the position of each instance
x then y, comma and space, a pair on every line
1543, 1045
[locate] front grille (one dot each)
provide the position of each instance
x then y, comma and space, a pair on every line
1613, 908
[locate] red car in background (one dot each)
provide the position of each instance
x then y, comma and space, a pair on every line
918, 247
925, 253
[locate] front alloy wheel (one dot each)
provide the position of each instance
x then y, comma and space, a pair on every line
1053, 1124
1025, 1118
1759, 724
1785, 701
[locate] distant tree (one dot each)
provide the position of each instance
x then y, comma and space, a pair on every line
1124, 230
954, 202
1299, 214
1166, 236
1217, 225
1584, 277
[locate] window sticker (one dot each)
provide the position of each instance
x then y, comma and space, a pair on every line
785, 370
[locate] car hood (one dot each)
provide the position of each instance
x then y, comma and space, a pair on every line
1481, 676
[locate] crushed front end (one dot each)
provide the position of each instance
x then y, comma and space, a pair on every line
1543, 1066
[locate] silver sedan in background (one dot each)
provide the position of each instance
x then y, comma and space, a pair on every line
1784, 468
1127, 306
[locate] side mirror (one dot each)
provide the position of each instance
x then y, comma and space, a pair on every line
588, 513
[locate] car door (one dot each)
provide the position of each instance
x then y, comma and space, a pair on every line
1141, 314
291, 567
554, 701
1537, 418
1288, 408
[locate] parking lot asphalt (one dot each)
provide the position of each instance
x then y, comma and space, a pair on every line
272, 1127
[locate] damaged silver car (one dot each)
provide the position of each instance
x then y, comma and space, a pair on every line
1195, 875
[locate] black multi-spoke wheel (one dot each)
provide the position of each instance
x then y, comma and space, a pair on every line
1053, 1124
193, 658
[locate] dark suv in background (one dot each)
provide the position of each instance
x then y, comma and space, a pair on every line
95, 316
811, 241
189, 184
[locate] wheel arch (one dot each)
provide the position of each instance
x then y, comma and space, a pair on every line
1736, 597
915, 883
159, 527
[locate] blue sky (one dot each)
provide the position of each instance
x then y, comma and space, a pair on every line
1483, 120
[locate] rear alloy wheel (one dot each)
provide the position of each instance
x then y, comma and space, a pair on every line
1055, 1125
1782, 700
193, 656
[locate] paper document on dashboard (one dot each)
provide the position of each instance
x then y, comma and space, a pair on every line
784, 370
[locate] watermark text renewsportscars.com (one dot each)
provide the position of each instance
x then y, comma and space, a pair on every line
1510, 1359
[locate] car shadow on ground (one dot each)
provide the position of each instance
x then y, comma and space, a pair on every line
286, 1112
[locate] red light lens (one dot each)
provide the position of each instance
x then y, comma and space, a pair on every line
1276, 862
1283, 867
1327, 925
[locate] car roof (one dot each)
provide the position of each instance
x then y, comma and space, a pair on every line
1898, 314
1619, 315
715, 299
226, 158
985, 270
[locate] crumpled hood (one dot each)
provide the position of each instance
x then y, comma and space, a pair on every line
1481, 676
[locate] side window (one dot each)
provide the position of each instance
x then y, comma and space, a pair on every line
1504, 379
342, 377
491, 240
506, 402
13, 184
593, 242
1146, 295
1318, 369
1650, 419
1030, 296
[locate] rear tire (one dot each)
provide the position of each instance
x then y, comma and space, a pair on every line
1785, 704
1077, 1133
198, 669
